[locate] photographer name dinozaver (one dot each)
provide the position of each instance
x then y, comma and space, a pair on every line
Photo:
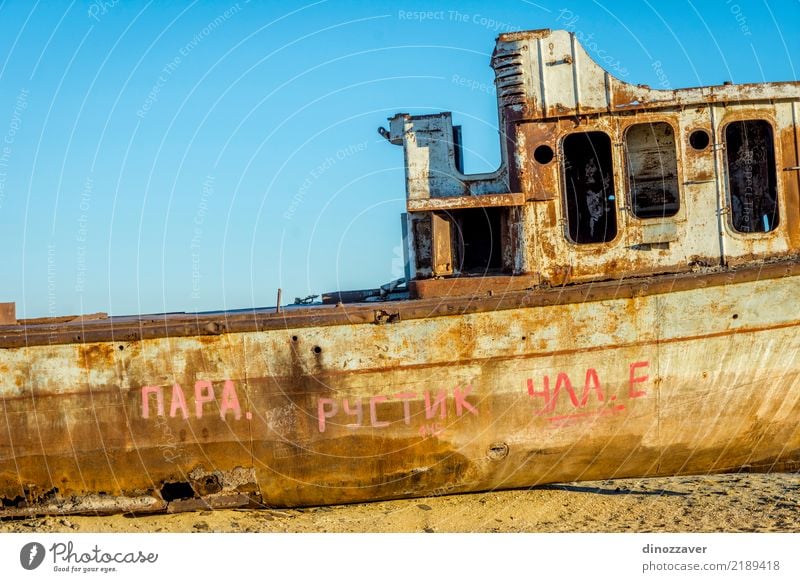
652, 549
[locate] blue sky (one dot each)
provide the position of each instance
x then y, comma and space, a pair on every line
161, 156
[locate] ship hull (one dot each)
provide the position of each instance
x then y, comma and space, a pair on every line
651, 380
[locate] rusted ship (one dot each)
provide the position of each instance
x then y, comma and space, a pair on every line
616, 300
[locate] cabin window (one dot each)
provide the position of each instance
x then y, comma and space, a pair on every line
477, 239
751, 176
652, 170
589, 180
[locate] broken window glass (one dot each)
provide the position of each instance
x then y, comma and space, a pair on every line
751, 176
652, 170
589, 178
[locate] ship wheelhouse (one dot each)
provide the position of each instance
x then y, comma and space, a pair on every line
600, 179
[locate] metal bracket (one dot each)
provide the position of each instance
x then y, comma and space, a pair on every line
565, 60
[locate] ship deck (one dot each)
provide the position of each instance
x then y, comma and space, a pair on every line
477, 295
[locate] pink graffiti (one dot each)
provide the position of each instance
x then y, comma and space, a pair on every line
204, 394
549, 393
434, 406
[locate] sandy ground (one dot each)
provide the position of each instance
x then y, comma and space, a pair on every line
720, 503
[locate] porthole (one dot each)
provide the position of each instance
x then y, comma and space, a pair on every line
699, 139
543, 154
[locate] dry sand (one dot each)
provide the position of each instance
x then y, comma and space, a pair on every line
719, 503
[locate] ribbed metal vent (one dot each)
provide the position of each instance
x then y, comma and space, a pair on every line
509, 80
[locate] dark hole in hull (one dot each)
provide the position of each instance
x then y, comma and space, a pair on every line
173, 491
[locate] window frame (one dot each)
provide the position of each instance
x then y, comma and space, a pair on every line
728, 194
679, 213
561, 158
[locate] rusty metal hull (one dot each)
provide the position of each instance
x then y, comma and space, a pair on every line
696, 376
